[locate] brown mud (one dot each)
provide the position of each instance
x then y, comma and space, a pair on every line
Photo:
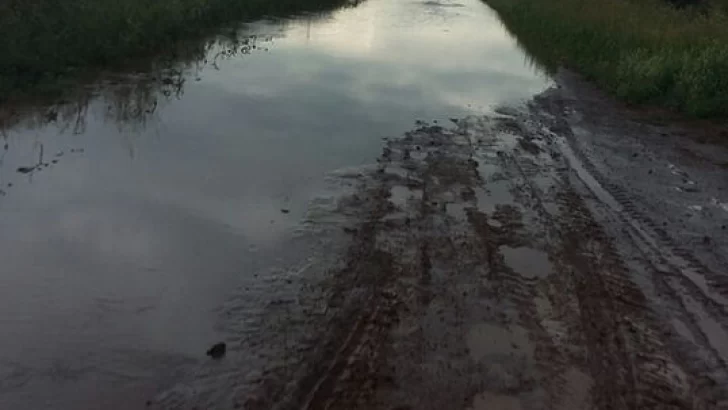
520, 261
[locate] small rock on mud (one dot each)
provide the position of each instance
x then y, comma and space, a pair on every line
217, 350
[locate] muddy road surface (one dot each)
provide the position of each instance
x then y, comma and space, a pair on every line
509, 252
521, 260
150, 215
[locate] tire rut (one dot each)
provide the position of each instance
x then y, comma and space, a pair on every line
481, 272
673, 270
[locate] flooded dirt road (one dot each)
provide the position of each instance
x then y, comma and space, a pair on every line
153, 214
519, 248
505, 262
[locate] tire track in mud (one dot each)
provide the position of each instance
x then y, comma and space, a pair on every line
610, 304
680, 260
670, 258
344, 367
479, 276
686, 287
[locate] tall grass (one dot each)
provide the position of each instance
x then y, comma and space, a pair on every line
643, 51
43, 42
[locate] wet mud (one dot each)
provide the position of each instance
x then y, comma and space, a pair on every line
188, 207
494, 265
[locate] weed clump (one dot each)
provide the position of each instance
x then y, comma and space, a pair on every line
642, 51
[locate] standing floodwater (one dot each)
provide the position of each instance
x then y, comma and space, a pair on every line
131, 215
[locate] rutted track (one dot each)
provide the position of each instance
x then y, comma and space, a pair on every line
682, 288
492, 264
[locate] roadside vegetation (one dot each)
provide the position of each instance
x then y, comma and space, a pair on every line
44, 44
643, 51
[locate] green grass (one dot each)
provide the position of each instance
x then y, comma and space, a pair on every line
643, 51
44, 44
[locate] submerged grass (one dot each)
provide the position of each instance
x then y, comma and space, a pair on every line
643, 51
45, 43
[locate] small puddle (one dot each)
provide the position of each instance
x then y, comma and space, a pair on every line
496, 193
485, 340
545, 183
401, 195
488, 170
458, 210
528, 262
492, 401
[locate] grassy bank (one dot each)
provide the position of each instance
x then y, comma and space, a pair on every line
642, 51
44, 43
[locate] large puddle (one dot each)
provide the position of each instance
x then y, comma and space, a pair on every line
129, 215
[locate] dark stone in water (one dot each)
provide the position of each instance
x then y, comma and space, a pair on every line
217, 351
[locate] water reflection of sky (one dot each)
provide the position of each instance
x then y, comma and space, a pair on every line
137, 239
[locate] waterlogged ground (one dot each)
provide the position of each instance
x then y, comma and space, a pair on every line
380, 208
145, 218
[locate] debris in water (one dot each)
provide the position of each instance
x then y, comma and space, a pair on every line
217, 351
26, 170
